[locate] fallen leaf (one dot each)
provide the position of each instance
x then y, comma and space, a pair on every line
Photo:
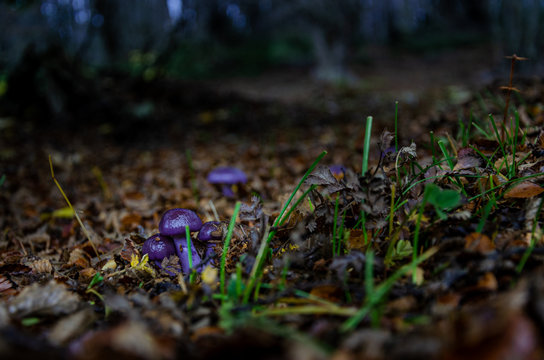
467, 159
356, 240
42, 266
43, 300
129, 251
523, 190
6, 287
479, 243
79, 258
330, 293
488, 282
71, 326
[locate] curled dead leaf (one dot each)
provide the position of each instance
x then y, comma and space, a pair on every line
6, 287
524, 190
42, 266
79, 258
129, 250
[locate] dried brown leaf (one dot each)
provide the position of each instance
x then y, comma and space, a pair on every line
330, 293
42, 266
79, 258
525, 189
71, 326
322, 176
6, 287
129, 249
488, 282
43, 300
479, 243
467, 159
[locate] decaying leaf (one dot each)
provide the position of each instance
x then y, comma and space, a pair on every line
251, 212
467, 158
6, 287
524, 189
51, 299
42, 266
79, 258
322, 176
488, 282
71, 326
129, 251
407, 153
330, 293
479, 243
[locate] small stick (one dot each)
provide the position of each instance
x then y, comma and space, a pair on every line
509, 90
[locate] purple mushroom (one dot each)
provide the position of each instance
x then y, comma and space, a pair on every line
226, 177
157, 247
338, 171
173, 224
210, 231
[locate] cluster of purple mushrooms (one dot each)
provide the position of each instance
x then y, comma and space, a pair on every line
172, 239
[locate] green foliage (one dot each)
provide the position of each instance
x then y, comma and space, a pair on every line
442, 199
247, 57
97, 279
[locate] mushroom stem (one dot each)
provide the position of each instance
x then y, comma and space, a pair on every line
227, 190
183, 253
209, 251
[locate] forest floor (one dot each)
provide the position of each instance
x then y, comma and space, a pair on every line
434, 252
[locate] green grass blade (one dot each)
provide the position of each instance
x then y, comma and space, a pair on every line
381, 291
226, 246
366, 148
278, 222
189, 253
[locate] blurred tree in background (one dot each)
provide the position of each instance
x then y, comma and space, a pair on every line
199, 38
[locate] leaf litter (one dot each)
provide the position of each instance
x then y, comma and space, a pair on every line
352, 245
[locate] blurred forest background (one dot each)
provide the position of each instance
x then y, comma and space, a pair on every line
46, 44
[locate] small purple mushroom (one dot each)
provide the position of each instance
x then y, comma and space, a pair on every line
157, 247
173, 224
210, 231
226, 177
338, 171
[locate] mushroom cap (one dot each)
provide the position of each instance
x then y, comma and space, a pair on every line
226, 175
158, 246
207, 230
173, 222
337, 169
